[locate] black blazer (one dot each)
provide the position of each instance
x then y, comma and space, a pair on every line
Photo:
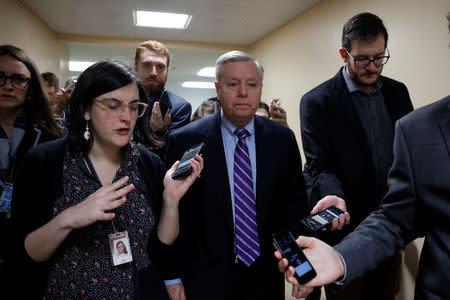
206, 221
417, 204
338, 157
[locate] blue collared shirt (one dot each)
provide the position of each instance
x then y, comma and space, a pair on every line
229, 145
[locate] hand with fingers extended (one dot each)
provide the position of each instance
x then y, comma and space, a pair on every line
325, 260
157, 121
328, 201
44, 241
99, 205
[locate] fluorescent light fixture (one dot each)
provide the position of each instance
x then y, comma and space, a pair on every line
198, 85
162, 20
79, 66
207, 72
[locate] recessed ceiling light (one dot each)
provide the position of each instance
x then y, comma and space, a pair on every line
198, 85
162, 20
207, 72
79, 66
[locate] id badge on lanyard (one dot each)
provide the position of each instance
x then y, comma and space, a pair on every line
5, 199
119, 246
119, 242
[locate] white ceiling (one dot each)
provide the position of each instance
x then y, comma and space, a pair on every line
236, 22
214, 21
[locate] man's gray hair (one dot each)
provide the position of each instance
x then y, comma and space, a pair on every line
234, 56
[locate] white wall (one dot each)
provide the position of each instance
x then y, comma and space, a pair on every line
22, 28
304, 52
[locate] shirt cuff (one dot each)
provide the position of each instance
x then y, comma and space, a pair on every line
172, 281
341, 280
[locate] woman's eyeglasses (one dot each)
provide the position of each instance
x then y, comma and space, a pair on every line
17, 80
115, 107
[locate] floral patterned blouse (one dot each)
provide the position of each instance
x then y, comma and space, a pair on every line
83, 267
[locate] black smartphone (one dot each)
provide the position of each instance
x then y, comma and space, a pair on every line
286, 244
184, 168
322, 219
164, 104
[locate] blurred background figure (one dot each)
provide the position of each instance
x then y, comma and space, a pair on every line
274, 112
263, 110
51, 82
25, 121
277, 113
55, 97
206, 108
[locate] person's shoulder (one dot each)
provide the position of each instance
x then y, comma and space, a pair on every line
47, 155
148, 155
272, 127
325, 89
198, 126
177, 100
391, 82
50, 147
428, 113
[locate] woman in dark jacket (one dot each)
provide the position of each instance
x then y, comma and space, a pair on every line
25, 121
76, 198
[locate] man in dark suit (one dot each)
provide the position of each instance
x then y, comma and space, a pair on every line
151, 63
226, 249
347, 126
416, 205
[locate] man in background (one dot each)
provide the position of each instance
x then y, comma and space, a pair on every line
151, 63
347, 126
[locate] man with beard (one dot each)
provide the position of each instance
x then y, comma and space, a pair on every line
347, 126
151, 63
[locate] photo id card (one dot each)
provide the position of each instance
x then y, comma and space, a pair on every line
5, 199
119, 246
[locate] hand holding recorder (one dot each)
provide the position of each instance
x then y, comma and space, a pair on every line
329, 213
327, 263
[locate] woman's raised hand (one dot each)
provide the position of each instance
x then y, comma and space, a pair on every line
99, 205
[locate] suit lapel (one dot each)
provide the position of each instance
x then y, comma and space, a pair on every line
349, 114
444, 124
263, 150
218, 170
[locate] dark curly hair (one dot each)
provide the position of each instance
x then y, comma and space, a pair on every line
100, 78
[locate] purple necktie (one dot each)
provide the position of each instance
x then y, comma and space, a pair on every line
247, 244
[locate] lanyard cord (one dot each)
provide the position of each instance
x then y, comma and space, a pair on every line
92, 170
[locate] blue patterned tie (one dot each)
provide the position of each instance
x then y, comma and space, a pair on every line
247, 244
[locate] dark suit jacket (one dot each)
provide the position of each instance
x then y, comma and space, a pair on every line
180, 112
338, 157
206, 222
34, 135
417, 204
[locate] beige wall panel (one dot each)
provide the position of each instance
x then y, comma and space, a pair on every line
304, 52
21, 28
